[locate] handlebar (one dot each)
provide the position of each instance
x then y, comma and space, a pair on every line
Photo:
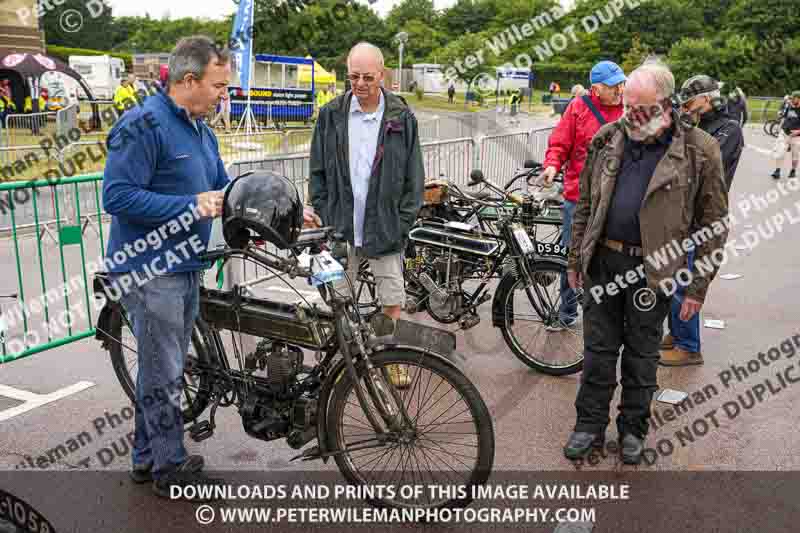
316, 239
515, 198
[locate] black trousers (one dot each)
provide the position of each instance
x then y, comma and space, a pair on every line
630, 320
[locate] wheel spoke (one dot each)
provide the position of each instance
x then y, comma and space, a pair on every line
436, 450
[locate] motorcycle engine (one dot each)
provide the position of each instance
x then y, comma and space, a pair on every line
283, 365
281, 361
445, 298
265, 415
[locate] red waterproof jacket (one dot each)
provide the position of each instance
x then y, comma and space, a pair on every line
569, 141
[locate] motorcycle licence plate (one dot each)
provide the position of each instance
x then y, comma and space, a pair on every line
552, 249
523, 240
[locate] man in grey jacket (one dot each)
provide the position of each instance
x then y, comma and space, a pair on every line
367, 177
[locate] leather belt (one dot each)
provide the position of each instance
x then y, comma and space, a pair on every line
624, 248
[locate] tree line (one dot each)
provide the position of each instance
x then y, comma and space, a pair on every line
754, 44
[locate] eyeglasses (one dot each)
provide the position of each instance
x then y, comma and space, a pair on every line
368, 78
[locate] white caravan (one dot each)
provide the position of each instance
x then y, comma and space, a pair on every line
103, 74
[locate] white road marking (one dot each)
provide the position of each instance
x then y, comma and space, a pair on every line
760, 150
33, 400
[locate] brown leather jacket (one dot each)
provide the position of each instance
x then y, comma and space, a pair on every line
686, 196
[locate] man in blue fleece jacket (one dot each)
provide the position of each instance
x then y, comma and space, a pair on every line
162, 186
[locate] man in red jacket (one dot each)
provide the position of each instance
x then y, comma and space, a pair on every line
568, 145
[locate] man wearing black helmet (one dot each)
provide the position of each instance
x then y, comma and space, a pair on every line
704, 107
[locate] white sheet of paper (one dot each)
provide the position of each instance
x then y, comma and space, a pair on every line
671, 396
715, 324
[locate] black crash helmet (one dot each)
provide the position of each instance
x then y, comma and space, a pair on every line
262, 205
696, 86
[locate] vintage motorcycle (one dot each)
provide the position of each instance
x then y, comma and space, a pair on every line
435, 428
475, 239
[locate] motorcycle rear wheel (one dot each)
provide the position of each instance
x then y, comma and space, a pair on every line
196, 392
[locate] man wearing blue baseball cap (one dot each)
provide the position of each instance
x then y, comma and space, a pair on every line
569, 143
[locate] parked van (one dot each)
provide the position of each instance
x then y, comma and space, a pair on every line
103, 74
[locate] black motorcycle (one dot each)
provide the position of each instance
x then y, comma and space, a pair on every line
445, 254
388, 411
541, 214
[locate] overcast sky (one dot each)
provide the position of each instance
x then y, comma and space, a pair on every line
220, 8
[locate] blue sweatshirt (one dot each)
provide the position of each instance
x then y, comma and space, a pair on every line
159, 160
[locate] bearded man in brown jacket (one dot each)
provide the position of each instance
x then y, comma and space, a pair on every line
650, 181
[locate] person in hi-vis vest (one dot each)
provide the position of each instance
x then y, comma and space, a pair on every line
36, 120
125, 92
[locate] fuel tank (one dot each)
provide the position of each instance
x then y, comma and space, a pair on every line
455, 236
263, 318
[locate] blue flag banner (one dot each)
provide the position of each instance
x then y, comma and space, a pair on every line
242, 42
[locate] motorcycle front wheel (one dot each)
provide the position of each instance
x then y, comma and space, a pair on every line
532, 325
449, 442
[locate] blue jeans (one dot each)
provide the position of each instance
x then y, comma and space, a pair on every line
568, 309
162, 312
686, 334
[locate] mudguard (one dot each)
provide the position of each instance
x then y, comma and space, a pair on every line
498, 312
101, 288
104, 326
508, 280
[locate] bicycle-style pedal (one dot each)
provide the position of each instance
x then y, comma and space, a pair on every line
469, 321
201, 431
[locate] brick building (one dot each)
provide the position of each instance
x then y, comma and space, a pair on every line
18, 33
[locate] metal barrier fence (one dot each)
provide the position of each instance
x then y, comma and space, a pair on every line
67, 119
429, 129
501, 155
21, 128
19, 146
242, 146
764, 108
53, 307
452, 159
498, 156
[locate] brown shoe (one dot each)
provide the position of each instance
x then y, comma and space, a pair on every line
398, 375
667, 343
680, 357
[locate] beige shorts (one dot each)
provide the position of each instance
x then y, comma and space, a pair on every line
784, 143
388, 273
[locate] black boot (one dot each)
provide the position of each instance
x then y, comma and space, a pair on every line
580, 443
143, 474
632, 448
792, 174
777, 174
